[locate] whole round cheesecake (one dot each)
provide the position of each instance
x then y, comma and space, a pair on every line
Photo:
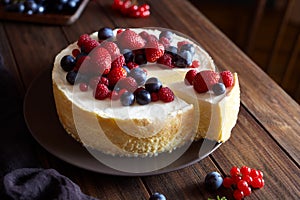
142, 91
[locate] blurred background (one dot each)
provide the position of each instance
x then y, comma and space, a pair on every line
266, 30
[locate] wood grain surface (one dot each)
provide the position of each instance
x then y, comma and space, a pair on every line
266, 136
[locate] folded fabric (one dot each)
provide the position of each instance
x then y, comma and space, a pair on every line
45, 184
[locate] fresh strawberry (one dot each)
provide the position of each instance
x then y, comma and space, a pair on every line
189, 77
179, 44
166, 60
89, 45
144, 35
165, 41
227, 78
166, 94
83, 39
101, 91
131, 40
128, 83
204, 80
111, 47
115, 75
118, 61
195, 64
100, 61
154, 51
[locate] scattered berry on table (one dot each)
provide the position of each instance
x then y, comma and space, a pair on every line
227, 182
153, 85
213, 181
166, 94
157, 196
245, 170
238, 194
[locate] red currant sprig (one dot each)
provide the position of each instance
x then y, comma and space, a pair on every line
131, 9
243, 179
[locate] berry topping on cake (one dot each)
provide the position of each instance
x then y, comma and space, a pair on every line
105, 33
189, 77
227, 78
128, 83
89, 45
204, 80
154, 50
143, 97
154, 97
83, 39
68, 63
128, 55
101, 91
112, 48
71, 77
140, 59
115, 75
188, 47
100, 61
139, 75
118, 61
219, 88
127, 99
181, 43
83, 87
165, 42
131, 40
166, 94
153, 85
166, 34
166, 60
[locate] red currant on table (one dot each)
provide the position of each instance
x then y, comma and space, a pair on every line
238, 194
247, 191
248, 179
245, 170
241, 185
131, 9
256, 182
235, 171
227, 182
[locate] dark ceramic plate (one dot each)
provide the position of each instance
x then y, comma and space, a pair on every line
44, 125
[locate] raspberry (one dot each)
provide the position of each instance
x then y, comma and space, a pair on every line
154, 97
104, 81
112, 48
227, 78
118, 62
131, 40
83, 39
166, 60
154, 51
89, 45
165, 42
94, 81
204, 80
115, 75
132, 65
128, 83
189, 77
101, 92
166, 94
100, 61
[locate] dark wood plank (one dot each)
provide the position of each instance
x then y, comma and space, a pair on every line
283, 127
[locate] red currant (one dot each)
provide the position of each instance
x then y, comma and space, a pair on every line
235, 171
248, 179
146, 13
256, 182
238, 194
247, 191
254, 173
117, 5
236, 179
260, 174
125, 7
227, 182
241, 185
245, 170
83, 87
145, 6
262, 183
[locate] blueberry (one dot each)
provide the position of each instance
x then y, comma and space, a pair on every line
71, 4
128, 55
172, 50
143, 97
71, 77
167, 34
126, 68
153, 84
157, 196
213, 181
105, 33
140, 59
219, 88
184, 59
30, 6
127, 99
139, 75
67, 63
18, 7
188, 47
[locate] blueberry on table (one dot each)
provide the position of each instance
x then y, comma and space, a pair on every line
157, 196
153, 85
105, 33
127, 99
213, 181
67, 63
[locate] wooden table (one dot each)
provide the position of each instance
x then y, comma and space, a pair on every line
265, 137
